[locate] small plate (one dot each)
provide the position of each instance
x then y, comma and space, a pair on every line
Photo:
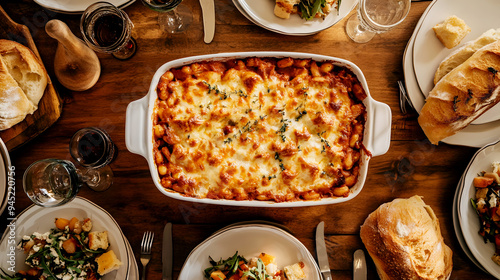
428, 51
473, 135
262, 13
258, 238
39, 219
4, 176
77, 7
469, 221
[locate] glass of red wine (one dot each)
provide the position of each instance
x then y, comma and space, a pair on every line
107, 29
173, 17
93, 149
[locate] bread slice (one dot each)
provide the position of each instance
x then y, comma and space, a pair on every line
462, 95
464, 52
107, 262
451, 31
14, 105
26, 69
284, 8
403, 237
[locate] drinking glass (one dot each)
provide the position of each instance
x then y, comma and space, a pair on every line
173, 17
375, 17
51, 182
107, 29
93, 149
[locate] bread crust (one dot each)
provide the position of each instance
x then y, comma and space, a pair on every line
23, 78
404, 240
462, 95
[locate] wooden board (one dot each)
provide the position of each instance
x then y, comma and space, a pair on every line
49, 107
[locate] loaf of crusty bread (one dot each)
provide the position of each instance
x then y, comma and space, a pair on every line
462, 95
23, 78
460, 55
404, 240
451, 31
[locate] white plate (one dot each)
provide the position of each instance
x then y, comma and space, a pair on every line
77, 6
469, 221
262, 12
473, 135
428, 51
256, 239
39, 219
133, 273
4, 172
458, 229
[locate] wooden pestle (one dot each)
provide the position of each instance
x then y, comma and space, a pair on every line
76, 65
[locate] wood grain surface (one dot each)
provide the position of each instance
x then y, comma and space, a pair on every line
412, 166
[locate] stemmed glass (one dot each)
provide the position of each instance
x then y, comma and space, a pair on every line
93, 149
52, 182
107, 29
375, 17
173, 17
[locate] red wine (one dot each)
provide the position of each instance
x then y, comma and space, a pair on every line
91, 148
108, 28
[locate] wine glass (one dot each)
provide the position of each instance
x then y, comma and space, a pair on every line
93, 149
51, 182
173, 17
375, 17
107, 29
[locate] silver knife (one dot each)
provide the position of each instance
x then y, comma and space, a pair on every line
359, 265
321, 253
208, 10
167, 257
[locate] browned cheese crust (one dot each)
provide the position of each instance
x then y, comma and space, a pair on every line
259, 129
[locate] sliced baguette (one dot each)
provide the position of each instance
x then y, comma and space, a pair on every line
464, 52
462, 95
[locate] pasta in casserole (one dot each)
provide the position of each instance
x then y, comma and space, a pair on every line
272, 129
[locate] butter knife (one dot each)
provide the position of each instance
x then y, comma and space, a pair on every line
208, 11
167, 254
359, 265
321, 253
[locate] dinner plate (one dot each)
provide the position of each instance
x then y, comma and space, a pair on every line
469, 221
77, 7
4, 178
458, 229
473, 135
39, 219
428, 51
249, 241
262, 12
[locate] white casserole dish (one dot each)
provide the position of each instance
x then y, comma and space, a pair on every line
139, 128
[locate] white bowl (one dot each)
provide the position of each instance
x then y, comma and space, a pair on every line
139, 127
258, 238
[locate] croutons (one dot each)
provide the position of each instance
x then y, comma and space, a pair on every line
107, 262
98, 240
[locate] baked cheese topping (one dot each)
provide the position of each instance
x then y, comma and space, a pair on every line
259, 129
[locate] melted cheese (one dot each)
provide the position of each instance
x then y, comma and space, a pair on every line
259, 128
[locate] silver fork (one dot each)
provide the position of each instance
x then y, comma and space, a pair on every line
146, 244
404, 100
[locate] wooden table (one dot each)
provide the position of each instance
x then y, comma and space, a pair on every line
412, 166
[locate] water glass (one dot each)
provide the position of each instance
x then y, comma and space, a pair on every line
375, 17
51, 182
173, 17
107, 29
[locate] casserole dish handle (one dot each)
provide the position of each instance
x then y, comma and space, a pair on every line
380, 122
135, 126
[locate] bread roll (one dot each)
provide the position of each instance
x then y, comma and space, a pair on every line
404, 240
23, 78
464, 52
451, 31
462, 95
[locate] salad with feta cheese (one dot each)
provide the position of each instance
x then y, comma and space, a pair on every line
70, 251
262, 267
486, 203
